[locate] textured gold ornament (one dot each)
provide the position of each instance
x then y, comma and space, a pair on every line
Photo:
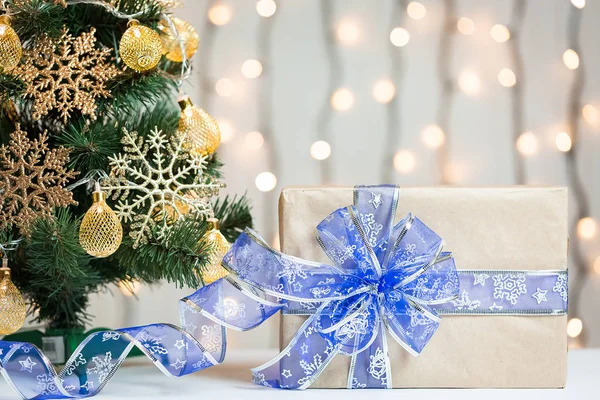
187, 34
66, 74
201, 132
10, 46
12, 304
100, 233
140, 47
220, 247
32, 180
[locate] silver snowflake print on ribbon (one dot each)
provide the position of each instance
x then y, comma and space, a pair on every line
152, 344
311, 367
371, 227
509, 287
377, 365
103, 365
561, 286
46, 385
465, 303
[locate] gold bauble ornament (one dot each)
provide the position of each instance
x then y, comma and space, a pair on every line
10, 46
140, 47
220, 247
12, 304
100, 233
171, 44
201, 131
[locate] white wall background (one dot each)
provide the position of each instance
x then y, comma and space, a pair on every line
480, 132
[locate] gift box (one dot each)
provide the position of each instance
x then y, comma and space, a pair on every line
486, 229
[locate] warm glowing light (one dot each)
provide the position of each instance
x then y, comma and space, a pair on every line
597, 265
399, 37
455, 172
590, 114
574, 327
507, 78
265, 181
416, 10
433, 136
586, 228
469, 83
404, 161
320, 150
342, 99
563, 142
224, 87
571, 59
384, 91
266, 8
219, 14
348, 32
500, 33
527, 144
254, 140
466, 26
129, 288
252, 69
226, 130
578, 3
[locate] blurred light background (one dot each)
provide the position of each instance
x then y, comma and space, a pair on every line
465, 92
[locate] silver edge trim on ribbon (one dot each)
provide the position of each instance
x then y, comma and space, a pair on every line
423, 269
513, 271
404, 345
442, 311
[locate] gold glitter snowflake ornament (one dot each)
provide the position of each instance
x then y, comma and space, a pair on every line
66, 74
168, 180
32, 180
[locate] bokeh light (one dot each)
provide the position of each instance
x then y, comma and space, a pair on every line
254, 140
384, 91
578, 3
469, 83
587, 228
574, 327
527, 144
433, 136
348, 32
320, 150
404, 161
500, 33
416, 10
399, 37
507, 77
266, 8
571, 59
563, 141
252, 68
342, 99
226, 130
590, 114
224, 87
466, 26
265, 181
219, 14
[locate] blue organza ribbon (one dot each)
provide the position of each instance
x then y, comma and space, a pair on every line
385, 278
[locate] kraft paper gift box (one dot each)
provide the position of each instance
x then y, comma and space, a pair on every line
499, 228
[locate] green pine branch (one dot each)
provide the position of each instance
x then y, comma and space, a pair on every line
234, 216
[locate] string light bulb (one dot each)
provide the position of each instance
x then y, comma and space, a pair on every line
384, 91
266, 8
574, 327
527, 144
399, 37
507, 77
200, 130
500, 33
578, 3
11, 49
185, 33
100, 232
219, 14
347, 32
342, 99
563, 142
224, 87
469, 83
586, 228
254, 140
433, 136
129, 288
590, 114
265, 181
12, 305
320, 150
404, 161
465, 26
140, 47
571, 59
252, 69
220, 246
416, 10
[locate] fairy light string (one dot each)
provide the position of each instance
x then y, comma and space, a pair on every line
519, 10
576, 185
448, 87
397, 17
334, 79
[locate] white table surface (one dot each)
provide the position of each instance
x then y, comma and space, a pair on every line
140, 379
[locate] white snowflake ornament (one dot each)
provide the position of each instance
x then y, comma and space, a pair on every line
167, 180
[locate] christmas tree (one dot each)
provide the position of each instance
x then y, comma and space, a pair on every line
89, 96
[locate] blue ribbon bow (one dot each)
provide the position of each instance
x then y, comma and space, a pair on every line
385, 277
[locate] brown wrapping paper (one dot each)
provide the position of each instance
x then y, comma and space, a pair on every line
485, 228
